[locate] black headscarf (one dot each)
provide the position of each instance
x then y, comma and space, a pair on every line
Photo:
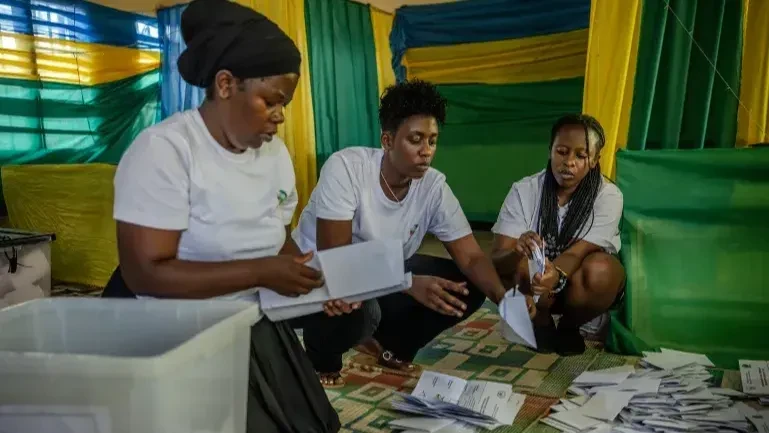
221, 34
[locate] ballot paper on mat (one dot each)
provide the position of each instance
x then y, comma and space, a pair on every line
479, 403
755, 377
516, 323
352, 273
673, 359
676, 399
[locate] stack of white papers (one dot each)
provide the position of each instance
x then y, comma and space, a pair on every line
352, 273
476, 403
652, 399
516, 324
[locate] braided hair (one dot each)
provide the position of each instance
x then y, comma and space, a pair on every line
580, 210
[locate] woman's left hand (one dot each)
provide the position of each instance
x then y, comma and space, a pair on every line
338, 307
544, 283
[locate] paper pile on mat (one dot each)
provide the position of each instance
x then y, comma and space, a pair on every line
670, 392
473, 403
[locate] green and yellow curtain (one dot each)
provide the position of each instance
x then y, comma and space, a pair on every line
78, 81
675, 74
509, 69
682, 87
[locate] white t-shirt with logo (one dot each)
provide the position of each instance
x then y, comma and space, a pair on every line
228, 206
520, 213
349, 190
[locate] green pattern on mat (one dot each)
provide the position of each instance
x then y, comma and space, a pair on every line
473, 349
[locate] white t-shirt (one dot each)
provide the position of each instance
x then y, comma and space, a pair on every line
228, 206
520, 213
349, 189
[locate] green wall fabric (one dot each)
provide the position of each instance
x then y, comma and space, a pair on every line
694, 238
497, 134
45, 122
344, 76
679, 101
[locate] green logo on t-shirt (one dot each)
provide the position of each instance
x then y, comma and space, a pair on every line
282, 196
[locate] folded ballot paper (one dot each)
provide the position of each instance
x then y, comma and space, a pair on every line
516, 324
755, 377
352, 273
473, 403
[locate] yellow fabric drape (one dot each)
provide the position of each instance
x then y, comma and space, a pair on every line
610, 72
753, 123
382, 23
521, 60
40, 58
85, 249
299, 130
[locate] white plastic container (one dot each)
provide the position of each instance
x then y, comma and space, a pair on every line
125, 366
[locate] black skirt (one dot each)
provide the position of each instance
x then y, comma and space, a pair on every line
285, 394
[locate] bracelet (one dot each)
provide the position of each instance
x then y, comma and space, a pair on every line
563, 280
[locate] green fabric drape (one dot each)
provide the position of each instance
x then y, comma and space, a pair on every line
694, 239
497, 134
679, 101
44, 122
343, 68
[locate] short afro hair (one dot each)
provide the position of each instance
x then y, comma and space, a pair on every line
410, 98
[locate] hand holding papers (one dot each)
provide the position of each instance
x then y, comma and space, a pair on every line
536, 263
516, 324
479, 403
352, 273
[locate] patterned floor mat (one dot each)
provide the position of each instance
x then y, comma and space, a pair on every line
473, 349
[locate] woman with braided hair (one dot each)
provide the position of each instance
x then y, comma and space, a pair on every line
572, 214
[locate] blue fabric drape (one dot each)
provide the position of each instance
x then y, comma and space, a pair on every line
481, 21
175, 94
78, 20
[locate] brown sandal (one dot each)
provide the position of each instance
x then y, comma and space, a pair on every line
387, 359
331, 380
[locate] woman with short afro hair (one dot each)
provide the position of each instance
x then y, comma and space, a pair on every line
392, 193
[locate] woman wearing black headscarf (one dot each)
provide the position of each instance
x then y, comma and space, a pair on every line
203, 201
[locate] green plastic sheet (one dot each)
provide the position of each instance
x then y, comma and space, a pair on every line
694, 244
344, 76
497, 134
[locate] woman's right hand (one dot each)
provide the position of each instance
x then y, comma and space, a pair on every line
289, 275
433, 293
527, 243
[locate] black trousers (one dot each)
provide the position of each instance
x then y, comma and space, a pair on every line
400, 323
284, 395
